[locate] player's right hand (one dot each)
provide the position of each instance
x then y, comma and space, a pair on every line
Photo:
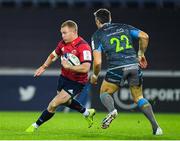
93, 79
142, 62
39, 71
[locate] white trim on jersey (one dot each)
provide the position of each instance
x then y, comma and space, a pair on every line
124, 66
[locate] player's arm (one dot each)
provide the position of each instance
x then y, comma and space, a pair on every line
85, 57
83, 68
51, 58
97, 55
97, 61
143, 44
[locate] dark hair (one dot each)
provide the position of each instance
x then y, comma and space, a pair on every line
103, 15
70, 24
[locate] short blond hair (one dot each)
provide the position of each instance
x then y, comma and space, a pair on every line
71, 24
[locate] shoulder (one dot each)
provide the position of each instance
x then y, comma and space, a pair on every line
83, 44
84, 47
96, 33
130, 27
125, 26
116, 24
122, 25
59, 47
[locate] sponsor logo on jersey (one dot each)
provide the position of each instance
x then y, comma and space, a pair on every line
87, 55
74, 52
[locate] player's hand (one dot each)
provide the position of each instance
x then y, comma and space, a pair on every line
39, 71
65, 64
142, 62
93, 79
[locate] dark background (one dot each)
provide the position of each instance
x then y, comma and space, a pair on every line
28, 35
29, 31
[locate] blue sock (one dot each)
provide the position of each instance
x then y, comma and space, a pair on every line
142, 102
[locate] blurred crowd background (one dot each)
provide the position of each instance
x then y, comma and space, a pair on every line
29, 31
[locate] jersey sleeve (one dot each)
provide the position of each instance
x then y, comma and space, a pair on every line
58, 49
95, 43
85, 53
134, 32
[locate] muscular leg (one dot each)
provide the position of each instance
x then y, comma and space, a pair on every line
144, 106
107, 89
61, 98
65, 99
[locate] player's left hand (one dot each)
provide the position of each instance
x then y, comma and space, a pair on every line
142, 62
65, 64
93, 79
40, 71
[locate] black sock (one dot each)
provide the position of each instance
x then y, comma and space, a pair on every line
76, 105
45, 116
146, 108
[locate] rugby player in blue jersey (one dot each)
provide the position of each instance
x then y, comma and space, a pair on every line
116, 41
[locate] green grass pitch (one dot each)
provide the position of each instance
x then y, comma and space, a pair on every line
64, 126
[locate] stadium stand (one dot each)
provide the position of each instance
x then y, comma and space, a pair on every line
92, 3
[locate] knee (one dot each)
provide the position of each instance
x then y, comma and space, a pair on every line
52, 106
69, 102
136, 92
106, 90
136, 99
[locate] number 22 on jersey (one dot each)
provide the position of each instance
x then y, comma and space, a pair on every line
118, 42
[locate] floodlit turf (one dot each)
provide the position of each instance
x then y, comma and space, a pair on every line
73, 126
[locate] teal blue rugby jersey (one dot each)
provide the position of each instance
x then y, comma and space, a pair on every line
115, 40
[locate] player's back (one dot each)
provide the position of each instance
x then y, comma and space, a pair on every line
116, 41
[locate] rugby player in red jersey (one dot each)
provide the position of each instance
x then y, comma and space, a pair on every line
72, 78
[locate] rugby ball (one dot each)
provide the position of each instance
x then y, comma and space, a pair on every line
72, 59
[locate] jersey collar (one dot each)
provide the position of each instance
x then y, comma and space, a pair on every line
75, 41
105, 24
